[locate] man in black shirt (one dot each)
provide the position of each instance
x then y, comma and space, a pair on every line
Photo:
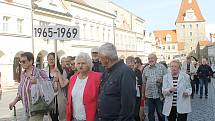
204, 72
117, 93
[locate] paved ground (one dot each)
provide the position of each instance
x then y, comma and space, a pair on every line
202, 109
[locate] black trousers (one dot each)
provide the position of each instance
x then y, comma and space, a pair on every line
174, 115
137, 109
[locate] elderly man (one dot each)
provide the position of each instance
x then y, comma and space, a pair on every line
117, 94
97, 66
152, 84
204, 72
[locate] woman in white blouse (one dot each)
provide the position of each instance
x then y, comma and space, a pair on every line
176, 90
83, 91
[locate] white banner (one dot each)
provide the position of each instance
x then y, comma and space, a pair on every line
57, 32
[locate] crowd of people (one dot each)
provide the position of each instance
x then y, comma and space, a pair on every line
104, 88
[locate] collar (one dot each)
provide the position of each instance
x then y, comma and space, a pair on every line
115, 66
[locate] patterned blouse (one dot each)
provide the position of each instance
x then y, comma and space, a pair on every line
24, 89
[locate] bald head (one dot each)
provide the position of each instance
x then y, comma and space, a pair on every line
152, 59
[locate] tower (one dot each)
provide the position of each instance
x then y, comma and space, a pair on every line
190, 25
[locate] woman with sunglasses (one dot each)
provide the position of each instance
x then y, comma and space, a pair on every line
25, 89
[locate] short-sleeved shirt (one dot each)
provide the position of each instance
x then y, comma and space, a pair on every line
150, 75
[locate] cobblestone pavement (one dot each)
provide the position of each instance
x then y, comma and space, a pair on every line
202, 109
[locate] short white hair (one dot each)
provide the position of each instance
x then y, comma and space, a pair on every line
109, 50
86, 57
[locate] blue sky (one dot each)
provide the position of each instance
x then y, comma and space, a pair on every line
161, 14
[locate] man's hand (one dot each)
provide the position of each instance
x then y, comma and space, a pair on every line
158, 82
173, 89
185, 94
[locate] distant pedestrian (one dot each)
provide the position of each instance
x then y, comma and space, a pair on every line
117, 94
189, 68
139, 64
130, 61
71, 60
176, 90
97, 66
204, 72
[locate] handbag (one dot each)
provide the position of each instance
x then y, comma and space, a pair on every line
42, 94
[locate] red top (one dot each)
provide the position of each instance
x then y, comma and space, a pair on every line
89, 97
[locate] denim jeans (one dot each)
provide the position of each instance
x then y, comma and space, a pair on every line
203, 81
152, 105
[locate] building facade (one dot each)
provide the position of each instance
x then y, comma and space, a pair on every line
190, 26
129, 32
15, 37
96, 27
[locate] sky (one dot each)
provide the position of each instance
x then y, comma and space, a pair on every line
162, 14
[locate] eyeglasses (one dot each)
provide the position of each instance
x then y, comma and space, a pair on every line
22, 61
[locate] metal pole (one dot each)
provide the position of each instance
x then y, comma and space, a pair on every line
32, 26
55, 50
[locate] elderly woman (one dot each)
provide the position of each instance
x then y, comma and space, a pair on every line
60, 82
176, 90
130, 62
83, 91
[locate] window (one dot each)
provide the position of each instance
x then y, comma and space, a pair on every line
6, 23
97, 31
168, 47
44, 23
91, 32
84, 30
197, 25
108, 34
163, 47
191, 26
103, 34
191, 33
168, 38
183, 26
19, 25
191, 48
173, 47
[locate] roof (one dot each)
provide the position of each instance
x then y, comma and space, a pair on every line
204, 43
185, 5
161, 36
212, 35
79, 2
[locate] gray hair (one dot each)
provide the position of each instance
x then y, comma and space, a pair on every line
109, 50
86, 57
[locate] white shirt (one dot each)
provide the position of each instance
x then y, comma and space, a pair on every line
77, 99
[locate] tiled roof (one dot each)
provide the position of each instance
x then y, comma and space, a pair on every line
185, 5
204, 43
161, 35
212, 34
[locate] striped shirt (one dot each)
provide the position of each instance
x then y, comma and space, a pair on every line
175, 84
188, 68
24, 89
